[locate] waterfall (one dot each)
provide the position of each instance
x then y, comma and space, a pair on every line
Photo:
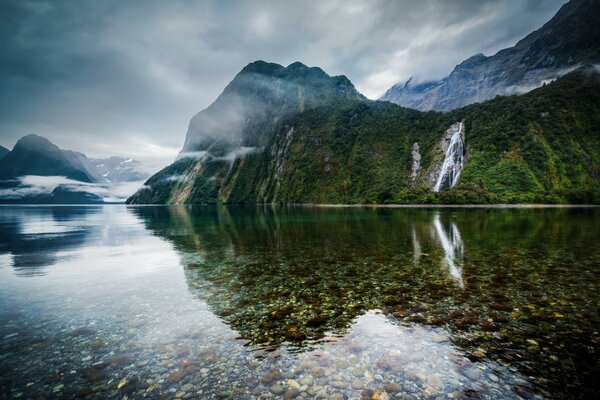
453, 161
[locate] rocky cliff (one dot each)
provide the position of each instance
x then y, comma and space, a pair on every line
569, 40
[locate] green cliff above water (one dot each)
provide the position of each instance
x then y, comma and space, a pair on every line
297, 135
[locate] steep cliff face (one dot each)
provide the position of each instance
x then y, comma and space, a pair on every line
542, 146
570, 39
231, 134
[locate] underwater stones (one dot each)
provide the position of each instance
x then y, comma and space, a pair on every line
95, 374
316, 322
380, 395
293, 333
177, 376
292, 393
271, 376
393, 387
338, 384
357, 384
501, 307
82, 331
294, 384
281, 313
470, 372
385, 363
208, 357
479, 353
120, 359
277, 389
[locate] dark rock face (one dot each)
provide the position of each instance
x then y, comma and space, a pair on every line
570, 39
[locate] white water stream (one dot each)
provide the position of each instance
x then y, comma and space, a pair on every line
453, 161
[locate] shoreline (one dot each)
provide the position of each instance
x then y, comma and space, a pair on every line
321, 205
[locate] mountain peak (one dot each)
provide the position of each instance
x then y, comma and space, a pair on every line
571, 38
35, 142
295, 70
297, 65
264, 68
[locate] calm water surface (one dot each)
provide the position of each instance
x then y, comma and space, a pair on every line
215, 302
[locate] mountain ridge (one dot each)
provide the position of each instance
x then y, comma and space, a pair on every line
353, 150
569, 40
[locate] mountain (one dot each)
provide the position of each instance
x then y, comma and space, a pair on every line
236, 128
569, 40
35, 155
119, 169
316, 143
3, 151
37, 171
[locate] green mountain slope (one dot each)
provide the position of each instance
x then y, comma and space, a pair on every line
540, 147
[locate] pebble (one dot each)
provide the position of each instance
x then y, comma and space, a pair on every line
393, 388
277, 389
357, 384
338, 384
292, 393
306, 380
293, 384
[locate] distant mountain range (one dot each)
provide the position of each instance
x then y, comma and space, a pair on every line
571, 39
119, 169
38, 171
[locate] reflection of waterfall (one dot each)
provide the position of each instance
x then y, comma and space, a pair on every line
453, 161
416, 246
453, 247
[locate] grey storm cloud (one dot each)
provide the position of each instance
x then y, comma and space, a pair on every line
124, 78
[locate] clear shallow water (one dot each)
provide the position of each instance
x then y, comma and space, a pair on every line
163, 302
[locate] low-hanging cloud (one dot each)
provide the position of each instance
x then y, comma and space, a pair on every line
35, 185
124, 78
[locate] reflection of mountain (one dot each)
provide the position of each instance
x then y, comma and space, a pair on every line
288, 275
294, 275
34, 236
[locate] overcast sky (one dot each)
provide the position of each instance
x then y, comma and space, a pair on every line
125, 77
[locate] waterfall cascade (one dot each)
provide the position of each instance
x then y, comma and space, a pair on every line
454, 159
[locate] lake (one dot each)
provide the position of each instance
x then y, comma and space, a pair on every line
298, 302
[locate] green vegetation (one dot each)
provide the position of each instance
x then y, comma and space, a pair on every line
541, 147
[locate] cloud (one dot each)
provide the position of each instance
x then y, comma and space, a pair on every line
34, 185
124, 78
237, 153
